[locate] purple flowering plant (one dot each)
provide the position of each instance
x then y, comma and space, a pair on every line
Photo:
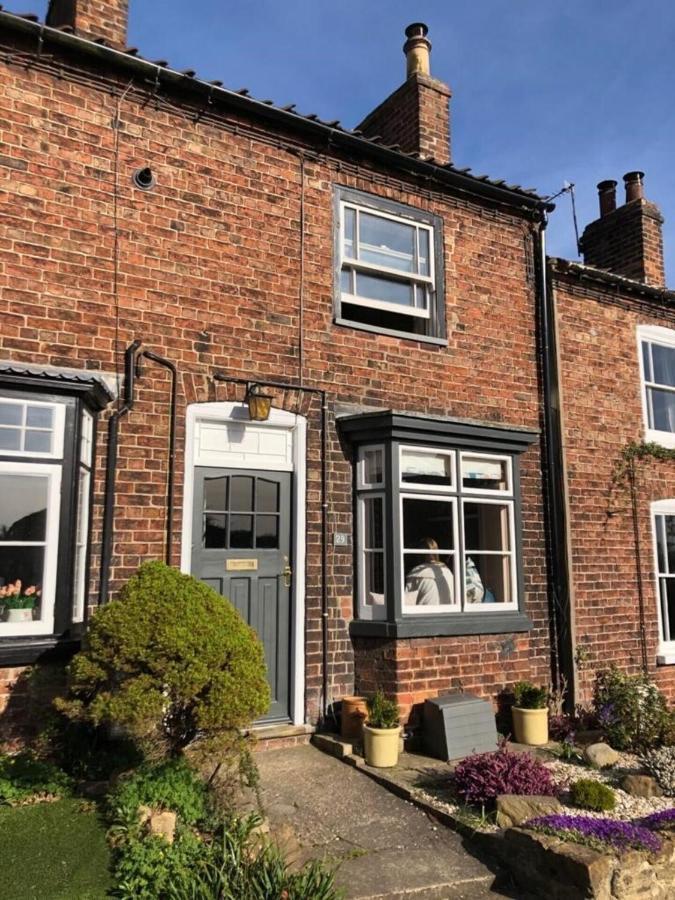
600, 834
480, 778
658, 821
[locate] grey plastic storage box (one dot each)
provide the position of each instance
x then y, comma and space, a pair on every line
457, 725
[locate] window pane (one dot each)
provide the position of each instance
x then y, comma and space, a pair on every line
39, 417
486, 526
267, 496
11, 413
659, 525
373, 538
266, 532
426, 468
662, 409
669, 522
647, 361
241, 532
374, 578
427, 524
215, 493
27, 565
383, 242
38, 442
485, 474
23, 511
664, 364
429, 579
215, 531
346, 281
488, 579
668, 608
10, 439
373, 466
350, 227
424, 266
375, 287
241, 499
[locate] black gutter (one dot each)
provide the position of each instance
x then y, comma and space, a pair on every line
282, 386
562, 636
161, 76
111, 468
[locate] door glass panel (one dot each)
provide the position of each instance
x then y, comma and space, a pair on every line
241, 499
267, 532
215, 493
267, 496
215, 531
23, 511
241, 531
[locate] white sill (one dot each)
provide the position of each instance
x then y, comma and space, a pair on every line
664, 438
666, 659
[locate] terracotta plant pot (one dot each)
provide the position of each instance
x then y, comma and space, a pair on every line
354, 712
530, 726
381, 746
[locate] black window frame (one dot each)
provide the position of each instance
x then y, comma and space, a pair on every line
392, 431
76, 396
343, 194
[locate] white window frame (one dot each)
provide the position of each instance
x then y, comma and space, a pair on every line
56, 431
82, 526
409, 486
413, 278
413, 609
509, 502
486, 492
361, 483
370, 611
665, 337
666, 649
45, 625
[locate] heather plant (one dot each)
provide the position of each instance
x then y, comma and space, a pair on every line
600, 834
480, 778
172, 663
660, 763
590, 794
631, 710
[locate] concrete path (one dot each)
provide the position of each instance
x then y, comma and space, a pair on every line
384, 847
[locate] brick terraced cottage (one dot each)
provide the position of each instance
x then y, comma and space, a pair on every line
175, 257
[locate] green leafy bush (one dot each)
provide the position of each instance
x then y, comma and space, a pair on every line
590, 794
382, 713
147, 868
529, 696
172, 663
23, 777
172, 785
630, 710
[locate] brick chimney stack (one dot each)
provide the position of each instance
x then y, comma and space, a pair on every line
107, 19
417, 115
628, 239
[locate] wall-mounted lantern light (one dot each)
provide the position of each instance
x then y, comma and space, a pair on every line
259, 404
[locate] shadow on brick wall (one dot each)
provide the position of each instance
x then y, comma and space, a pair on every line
26, 700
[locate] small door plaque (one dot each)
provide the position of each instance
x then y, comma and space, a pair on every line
241, 565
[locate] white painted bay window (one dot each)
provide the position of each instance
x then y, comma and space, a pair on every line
663, 523
657, 369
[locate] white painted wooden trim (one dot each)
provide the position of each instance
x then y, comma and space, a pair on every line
666, 649
653, 334
296, 426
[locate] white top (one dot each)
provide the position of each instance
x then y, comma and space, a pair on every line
433, 583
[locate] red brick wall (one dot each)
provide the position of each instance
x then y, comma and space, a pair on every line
209, 276
603, 413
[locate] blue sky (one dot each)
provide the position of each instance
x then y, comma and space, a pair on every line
544, 90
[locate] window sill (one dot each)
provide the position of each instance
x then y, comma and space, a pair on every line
666, 659
451, 625
24, 651
662, 438
374, 329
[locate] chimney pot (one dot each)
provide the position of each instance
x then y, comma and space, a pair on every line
417, 49
607, 196
634, 183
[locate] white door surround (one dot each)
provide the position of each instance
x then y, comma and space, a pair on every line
222, 435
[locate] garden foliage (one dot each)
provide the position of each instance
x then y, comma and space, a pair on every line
591, 794
173, 785
382, 713
482, 777
631, 710
600, 834
529, 696
660, 763
24, 777
172, 663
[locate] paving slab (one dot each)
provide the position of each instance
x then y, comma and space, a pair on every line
383, 846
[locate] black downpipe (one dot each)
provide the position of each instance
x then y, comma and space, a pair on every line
111, 467
324, 512
555, 485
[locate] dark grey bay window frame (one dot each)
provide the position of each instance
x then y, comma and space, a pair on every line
393, 431
79, 397
431, 330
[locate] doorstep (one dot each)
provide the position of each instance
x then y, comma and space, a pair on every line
275, 737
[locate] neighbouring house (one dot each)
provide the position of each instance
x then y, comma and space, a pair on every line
317, 368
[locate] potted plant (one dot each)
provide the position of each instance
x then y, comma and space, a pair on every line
19, 602
530, 714
381, 732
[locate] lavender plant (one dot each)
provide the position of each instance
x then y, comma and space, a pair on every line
658, 821
600, 834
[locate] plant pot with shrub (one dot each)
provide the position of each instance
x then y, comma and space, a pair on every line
18, 602
381, 732
530, 714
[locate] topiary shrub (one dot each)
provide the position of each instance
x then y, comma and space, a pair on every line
590, 794
660, 763
630, 709
482, 777
172, 663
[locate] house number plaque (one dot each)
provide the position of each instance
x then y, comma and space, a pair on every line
241, 565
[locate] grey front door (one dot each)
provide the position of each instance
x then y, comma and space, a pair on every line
241, 547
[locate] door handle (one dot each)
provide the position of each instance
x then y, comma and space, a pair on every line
287, 573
